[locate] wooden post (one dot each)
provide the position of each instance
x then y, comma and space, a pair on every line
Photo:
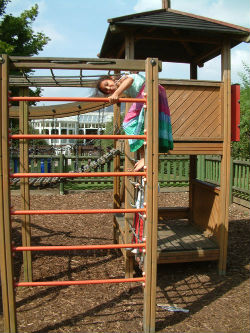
24, 184
128, 165
6, 260
151, 194
193, 71
193, 158
61, 168
231, 180
166, 4
116, 163
155, 160
225, 162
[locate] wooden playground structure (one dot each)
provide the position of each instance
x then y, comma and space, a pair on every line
201, 120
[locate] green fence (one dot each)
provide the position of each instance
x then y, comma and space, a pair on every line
173, 171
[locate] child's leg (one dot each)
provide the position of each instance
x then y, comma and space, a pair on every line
140, 164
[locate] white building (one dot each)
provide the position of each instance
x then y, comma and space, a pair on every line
89, 123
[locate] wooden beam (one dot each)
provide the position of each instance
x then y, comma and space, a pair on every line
155, 159
3, 259
148, 198
225, 162
12, 324
77, 63
24, 184
170, 37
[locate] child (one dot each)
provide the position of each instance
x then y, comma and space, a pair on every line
133, 86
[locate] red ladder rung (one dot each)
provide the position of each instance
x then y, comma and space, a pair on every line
78, 211
76, 174
71, 283
78, 247
75, 99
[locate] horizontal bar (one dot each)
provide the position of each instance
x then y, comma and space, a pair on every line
78, 211
75, 99
76, 136
76, 174
78, 63
71, 283
78, 247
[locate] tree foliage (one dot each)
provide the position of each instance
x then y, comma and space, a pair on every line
17, 37
241, 149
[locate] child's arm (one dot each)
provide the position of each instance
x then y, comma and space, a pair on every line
125, 84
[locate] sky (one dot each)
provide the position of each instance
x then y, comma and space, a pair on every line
77, 29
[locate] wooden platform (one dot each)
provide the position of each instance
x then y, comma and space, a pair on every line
178, 241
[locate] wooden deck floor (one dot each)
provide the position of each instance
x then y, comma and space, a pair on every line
180, 241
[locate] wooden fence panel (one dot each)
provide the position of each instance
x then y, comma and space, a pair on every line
173, 171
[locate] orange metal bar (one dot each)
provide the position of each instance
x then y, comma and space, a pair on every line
76, 174
78, 211
78, 247
75, 99
76, 136
71, 283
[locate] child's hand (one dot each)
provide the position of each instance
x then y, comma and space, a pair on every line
113, 98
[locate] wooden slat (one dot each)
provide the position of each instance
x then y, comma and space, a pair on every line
178, 114
209, 116
187, 256
173, 212
175, 95
187, 117
196, 148
168, 83
186, 93
199, 116
180, 235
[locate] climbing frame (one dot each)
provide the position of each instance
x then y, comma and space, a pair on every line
149, 244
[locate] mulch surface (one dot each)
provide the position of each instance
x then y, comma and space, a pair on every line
215, 303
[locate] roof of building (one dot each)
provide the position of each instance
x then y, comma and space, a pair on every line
170, 35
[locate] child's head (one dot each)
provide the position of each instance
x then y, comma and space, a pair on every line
106, 84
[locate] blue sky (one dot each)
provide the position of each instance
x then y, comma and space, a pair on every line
77, 28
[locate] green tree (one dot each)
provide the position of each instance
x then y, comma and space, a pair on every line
241, 149
17, 38
16, 35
